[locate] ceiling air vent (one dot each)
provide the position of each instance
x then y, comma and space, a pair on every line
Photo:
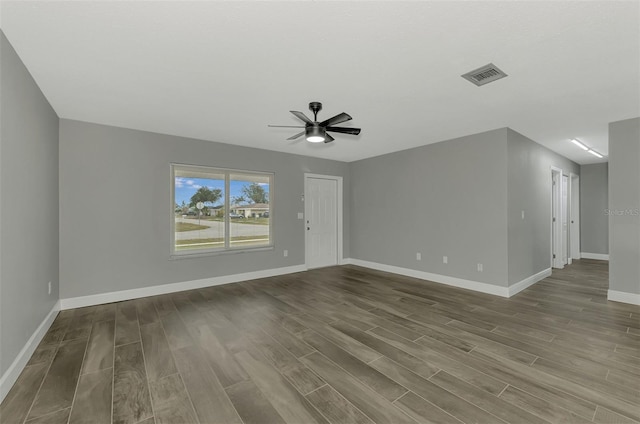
484, 75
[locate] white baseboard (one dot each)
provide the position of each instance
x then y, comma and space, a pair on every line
13, 372
529, 281
598, 256
624, 297
117, 296
438, 278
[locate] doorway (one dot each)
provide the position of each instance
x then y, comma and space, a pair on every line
557, 258
565, 218
323, 220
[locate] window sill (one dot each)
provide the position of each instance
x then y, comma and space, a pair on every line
177, 256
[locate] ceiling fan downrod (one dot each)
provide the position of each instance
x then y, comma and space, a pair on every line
315, 107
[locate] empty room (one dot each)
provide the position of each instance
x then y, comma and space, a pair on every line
257, 212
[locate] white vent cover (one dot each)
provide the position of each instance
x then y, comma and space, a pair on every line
484, 75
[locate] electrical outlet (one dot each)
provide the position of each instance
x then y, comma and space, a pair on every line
480, 268
49, 287
445, 259
418, 256
286, 253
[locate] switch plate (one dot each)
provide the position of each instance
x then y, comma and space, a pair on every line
480, 268
286, 253
445, 259
522, 214
418, 256
49, 287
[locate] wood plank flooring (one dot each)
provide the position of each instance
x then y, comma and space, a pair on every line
342, 345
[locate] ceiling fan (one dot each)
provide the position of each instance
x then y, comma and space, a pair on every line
316, 132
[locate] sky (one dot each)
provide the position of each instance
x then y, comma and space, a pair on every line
187, 187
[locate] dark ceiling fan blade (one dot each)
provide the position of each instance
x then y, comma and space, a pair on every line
286, 126
339, 118
328, 138
301, 116
293, 137
344, 130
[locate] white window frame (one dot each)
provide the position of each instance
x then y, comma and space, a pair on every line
174, 254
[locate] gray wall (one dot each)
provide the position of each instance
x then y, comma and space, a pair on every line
28, 205
115, 207
529, 190
594, 202
447, 198
624, 204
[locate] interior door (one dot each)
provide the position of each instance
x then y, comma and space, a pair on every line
565, 219
321, 210
556, 230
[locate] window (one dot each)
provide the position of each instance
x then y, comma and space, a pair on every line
219, 210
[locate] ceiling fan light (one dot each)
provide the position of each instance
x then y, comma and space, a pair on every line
315, 134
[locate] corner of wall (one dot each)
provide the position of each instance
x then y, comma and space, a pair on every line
529, 206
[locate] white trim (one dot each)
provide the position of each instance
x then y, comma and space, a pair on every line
340, 212
117, 296
438, 278
599, 256
624, 297
529, 281
10, 376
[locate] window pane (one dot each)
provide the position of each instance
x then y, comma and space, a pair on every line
199, 209
249, 210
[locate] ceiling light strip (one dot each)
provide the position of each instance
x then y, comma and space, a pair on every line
586, 148
580, 145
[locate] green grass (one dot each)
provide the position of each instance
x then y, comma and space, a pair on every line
254, 221
210, 243
188, 226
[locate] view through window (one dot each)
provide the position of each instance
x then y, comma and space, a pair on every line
217, 209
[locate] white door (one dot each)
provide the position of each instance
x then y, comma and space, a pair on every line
556, 218
565, 219
321, 219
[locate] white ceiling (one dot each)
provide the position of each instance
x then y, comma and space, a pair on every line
222, 71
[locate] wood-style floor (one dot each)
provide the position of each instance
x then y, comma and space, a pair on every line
342, 345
